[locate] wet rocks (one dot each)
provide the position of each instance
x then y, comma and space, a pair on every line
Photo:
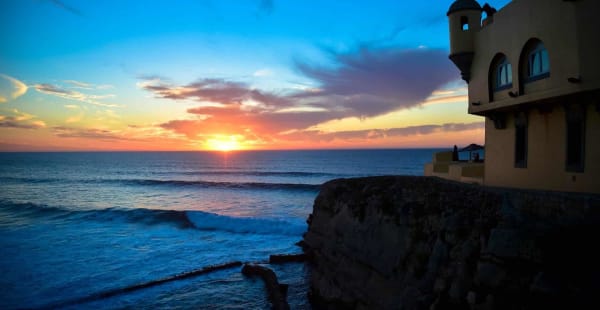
277, 292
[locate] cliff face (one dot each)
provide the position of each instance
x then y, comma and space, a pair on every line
426, 243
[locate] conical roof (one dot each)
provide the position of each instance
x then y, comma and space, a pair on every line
461, 5
471, 147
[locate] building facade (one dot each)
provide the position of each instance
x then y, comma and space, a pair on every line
533, 72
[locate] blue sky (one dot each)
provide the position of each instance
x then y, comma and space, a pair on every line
91, 69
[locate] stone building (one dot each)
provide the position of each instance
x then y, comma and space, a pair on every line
533, 72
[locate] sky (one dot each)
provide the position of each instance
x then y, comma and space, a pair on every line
229, 74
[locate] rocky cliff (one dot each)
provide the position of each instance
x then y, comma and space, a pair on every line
426, 243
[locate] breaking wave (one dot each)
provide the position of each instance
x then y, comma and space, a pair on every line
182, 219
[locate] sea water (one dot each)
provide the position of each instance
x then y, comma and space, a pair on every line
75, 225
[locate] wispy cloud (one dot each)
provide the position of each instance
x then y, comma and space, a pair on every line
447, 96
21, 120
54, 90
263, 72
80, 114
87, 133
66, 7
371, 134
89, 86
78, 84
211, 90
14, 89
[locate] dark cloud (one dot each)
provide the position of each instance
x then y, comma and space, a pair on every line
212, 90
53, 89
88, 133
16, 122
65, 7
367, 83
315, 135
374, 82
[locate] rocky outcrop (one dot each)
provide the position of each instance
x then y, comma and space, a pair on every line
277, 292
427, 243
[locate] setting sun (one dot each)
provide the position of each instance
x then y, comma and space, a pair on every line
223, 143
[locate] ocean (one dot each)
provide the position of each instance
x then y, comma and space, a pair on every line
74, 226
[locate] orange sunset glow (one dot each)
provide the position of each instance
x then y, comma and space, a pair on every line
198, 83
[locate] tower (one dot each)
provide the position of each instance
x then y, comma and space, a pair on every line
464, 17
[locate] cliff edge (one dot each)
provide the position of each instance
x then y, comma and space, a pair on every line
425, 243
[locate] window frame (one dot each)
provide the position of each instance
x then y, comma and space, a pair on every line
539, 50
503, 63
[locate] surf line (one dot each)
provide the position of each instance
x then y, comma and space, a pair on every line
128, 289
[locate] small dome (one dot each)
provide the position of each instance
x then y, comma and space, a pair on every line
460, 5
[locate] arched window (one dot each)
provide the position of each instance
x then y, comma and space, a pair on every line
503, 75
538, 63
500, 75
534, 64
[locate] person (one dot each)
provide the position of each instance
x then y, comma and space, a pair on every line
455, 153
476, 157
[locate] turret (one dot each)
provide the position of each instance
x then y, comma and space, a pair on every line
464, 17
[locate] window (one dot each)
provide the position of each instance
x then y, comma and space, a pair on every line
538, 63
464, 23
575, 138
534, 65
500, 75
503, 75
521, 140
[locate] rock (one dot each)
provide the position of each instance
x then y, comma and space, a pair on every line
471, 298
277, 292
426, 243
286, 258
490, 274
546, 284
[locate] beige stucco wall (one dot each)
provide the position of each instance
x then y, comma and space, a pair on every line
463, 41
546, 154
569, 31
588, 32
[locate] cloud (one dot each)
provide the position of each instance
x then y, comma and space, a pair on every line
212, 90
363, 84
55, 90
376, 81
12, 122
87, 133
65, 7
134, 136
371, 134
234, 119
78, 84
447, 96
21, 120
84, 85
16, 89
263, 73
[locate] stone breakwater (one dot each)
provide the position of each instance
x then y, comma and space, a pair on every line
426, 243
